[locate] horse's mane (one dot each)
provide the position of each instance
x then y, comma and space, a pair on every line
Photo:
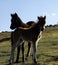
39, 23
32, 26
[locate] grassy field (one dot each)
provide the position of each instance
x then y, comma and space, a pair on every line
47, 50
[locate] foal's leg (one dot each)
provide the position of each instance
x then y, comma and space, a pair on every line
18, 52
29, 46
23, 52
34, 52
13, 49
12, 54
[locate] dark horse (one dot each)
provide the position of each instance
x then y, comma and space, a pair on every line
15, 23
32, 34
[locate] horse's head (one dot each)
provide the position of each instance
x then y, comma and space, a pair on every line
15, 21
42, 21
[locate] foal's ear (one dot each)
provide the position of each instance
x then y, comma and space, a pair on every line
15, 13
38, 17
11, 15
44, 17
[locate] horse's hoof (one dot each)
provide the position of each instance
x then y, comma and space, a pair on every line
26, 58
23, 61
35, 61
9, 64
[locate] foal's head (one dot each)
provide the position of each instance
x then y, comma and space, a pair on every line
42, 21
15, 21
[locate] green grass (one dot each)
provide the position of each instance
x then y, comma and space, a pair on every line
4, 35
47, 50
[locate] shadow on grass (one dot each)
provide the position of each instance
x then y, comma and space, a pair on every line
52, 58
24, 64
32, 64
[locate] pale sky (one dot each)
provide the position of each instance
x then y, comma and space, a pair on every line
28, 10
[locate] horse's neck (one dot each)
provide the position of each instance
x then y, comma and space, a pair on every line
37, 26
24, 25
21, 22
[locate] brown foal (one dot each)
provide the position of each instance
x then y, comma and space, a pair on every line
32, 34
15, 23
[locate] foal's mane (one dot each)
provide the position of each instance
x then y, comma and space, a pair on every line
32, 26
27, 27
41, 21
28, 23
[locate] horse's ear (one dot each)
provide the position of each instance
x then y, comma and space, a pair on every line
44, 17
16, 14
38, 17
11, 15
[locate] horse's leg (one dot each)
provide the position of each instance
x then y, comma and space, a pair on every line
29, 46
12, 54
23, 52
13, 49
34, 52
20, 42
18, 52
